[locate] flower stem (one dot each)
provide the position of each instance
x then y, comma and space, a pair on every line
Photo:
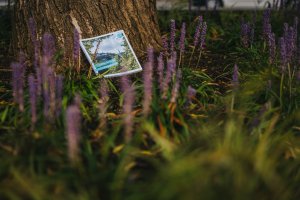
199, 57
281, 90
191, 56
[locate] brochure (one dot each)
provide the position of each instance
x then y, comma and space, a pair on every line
111, 54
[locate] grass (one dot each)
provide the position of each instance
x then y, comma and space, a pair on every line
227, 143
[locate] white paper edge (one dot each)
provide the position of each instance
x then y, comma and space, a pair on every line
111, 75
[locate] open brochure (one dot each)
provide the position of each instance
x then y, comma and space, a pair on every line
111, 54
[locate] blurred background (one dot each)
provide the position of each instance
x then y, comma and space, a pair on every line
210, 4
224, 4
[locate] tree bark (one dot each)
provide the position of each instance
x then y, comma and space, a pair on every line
93, 17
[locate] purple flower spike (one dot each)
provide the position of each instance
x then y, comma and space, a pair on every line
18, 75
283, 55
39, 81
182, 38
129, 95
18, 84
48, 48
172, 35
197, 31
73, 120
268, 31
245, 34
148, 77
33, 99
168, 77
191, 93
272, 48
235, 76
296, 21
150, 54
76, 48
176, 86
160, 71
290, 44
203, 35
266, 22
174, 56
165, 46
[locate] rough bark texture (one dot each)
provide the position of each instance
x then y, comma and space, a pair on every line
94, 17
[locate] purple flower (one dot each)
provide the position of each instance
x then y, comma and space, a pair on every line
39, 81
296, 28
283, 55
160, 71
18, 75
129, 95
245, 34
174, 58
182, 38
32, 99
148, 76
203, 35
176, 86
76, 48
48, 48
266, 22
191, 93
268, 32
59, 93
45, 89
73, 120
172, 35
235, 76
165, 46
168, 77
18, 84
174, 66
272, 48
197, 31
150, 54
290, 42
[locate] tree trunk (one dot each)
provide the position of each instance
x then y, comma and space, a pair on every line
93, 17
